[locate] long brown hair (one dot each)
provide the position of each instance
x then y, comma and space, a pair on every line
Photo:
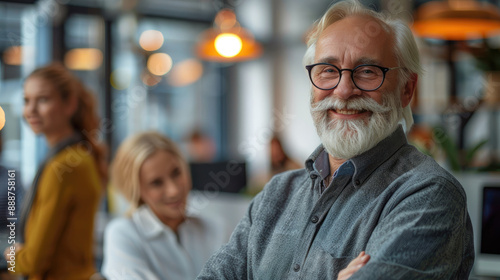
85, 120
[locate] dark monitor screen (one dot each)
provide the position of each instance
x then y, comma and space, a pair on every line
490, 226
226, 176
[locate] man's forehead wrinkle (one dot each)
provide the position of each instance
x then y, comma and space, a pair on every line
358, 61
367, 60
328, 59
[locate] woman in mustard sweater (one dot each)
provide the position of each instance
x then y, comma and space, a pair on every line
57, 217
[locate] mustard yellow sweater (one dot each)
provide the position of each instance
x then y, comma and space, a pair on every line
60, 227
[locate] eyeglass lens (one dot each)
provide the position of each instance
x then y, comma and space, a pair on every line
365, 77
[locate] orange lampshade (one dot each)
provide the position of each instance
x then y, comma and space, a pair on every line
227, 41
457, 20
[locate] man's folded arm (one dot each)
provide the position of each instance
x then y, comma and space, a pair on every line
426, 235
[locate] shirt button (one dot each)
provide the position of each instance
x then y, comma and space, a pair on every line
313, 176
314, 219
296, 267
357, 182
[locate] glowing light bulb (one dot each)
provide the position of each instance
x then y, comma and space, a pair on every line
228, 44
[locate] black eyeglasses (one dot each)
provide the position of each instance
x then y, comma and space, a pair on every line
366, 77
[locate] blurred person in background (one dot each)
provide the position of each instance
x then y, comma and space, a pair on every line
201, 147
367, 205
158, 240
280, 161
57, 217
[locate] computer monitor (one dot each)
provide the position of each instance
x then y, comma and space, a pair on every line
225, 176
490, 221
483, 202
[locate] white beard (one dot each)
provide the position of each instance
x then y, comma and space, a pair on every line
345, 139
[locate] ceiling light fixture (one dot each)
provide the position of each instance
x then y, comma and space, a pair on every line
227, 41
457, 20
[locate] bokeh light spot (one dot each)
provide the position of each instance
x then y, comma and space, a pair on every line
2, 118
159, 64
151, 40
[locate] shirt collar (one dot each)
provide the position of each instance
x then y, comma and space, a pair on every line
364, 164
146, 220
312, 158
322, 165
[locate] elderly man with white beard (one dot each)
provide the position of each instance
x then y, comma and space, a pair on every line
367, 205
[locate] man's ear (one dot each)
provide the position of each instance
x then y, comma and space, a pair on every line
409, 90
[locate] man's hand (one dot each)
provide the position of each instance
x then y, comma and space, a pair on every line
354, 266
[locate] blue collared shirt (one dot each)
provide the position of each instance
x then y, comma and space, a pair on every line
322, 166
392, 201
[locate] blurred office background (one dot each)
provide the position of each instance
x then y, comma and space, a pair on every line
145, 62
240, 103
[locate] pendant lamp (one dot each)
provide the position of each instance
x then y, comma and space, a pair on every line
227, 41
457, 20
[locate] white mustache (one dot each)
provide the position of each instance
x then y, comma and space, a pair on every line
358, 103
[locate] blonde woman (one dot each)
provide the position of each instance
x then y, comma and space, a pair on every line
157, 240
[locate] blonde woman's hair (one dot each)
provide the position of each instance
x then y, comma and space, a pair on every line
129, 158
404, 45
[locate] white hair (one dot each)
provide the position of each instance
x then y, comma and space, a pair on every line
405, 47
345, 139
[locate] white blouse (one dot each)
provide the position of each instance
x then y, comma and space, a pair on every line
143, 248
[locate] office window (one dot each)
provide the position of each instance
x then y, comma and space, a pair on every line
163, 88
